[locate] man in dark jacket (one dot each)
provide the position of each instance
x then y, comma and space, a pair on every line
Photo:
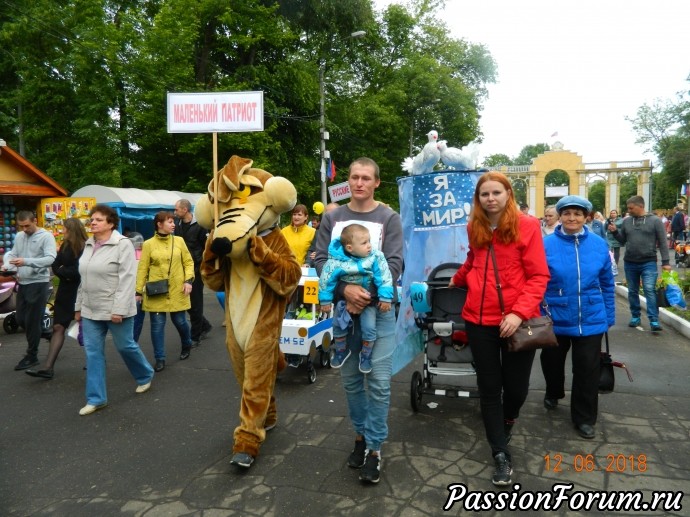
195, 238
678, 225
642, 234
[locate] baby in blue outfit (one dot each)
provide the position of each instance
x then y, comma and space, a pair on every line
351, 259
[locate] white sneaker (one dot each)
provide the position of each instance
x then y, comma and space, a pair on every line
90, 408
143, 388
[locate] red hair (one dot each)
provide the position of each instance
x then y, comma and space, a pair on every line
508, 230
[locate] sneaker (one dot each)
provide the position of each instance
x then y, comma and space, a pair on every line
371, 471
503, 470
634, 322
26, 362
654, 325
90, 408
364, 363
242, 459
143, 388
356, 458
338, 357
550, 403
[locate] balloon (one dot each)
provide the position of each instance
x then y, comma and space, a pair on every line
318, 207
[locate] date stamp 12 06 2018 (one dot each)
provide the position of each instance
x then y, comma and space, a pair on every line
620, 463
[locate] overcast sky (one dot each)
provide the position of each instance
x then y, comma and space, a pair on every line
575, 67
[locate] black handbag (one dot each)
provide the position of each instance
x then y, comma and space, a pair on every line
158, 287
533, 333
607, 379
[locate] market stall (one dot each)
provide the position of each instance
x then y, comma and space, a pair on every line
22, 187
136, 207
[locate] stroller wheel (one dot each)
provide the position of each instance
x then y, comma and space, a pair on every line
416, 391
10, 324
311, 373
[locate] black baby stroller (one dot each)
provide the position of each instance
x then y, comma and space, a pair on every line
446, 350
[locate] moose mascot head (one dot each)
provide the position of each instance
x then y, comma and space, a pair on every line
247, 257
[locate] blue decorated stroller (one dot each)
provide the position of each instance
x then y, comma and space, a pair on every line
446, 350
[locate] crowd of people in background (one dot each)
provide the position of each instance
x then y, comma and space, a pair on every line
566, 261
102, 287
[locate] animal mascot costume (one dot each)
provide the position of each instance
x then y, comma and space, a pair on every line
247, 257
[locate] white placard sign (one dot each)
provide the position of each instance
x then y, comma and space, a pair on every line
557, 191
339, 191
215, 112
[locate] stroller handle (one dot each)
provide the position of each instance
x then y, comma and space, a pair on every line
443, 282
445, 328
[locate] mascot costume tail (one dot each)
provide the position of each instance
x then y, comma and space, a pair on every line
247, 257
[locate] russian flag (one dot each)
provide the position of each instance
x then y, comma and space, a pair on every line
330, 170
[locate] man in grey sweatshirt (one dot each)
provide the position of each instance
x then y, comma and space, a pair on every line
641, 234
31, 257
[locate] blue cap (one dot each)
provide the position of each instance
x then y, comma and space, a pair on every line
573, 201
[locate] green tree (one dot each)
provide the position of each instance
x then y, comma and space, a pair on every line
529, 152
85, 85
664, 128
628, 188
414, 77
494, 161
597, 196
555, 178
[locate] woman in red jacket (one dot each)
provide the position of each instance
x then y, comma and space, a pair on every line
502, 377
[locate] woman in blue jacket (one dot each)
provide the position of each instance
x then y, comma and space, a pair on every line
581, 298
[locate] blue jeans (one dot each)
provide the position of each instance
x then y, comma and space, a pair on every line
368, 407
648, 272
94, 347
179, 319
367, 324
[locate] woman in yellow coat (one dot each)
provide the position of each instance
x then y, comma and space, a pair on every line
298, 234
165, 256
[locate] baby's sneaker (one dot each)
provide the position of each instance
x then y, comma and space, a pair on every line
364, 363
338, 357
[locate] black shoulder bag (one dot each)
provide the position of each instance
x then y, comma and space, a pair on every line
161, 286
607, 379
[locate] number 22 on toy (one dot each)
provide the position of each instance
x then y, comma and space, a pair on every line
311, 291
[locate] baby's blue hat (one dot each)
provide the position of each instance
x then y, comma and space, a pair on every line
574, 201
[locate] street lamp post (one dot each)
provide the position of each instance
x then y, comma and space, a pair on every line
324, 135
324, 153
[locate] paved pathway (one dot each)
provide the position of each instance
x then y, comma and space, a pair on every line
167, 452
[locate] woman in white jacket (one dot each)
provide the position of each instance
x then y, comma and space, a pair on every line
105, 302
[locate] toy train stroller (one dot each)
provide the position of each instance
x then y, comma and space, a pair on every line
446, 350
305, 332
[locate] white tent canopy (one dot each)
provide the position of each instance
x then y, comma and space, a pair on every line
136, 207
134, 197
